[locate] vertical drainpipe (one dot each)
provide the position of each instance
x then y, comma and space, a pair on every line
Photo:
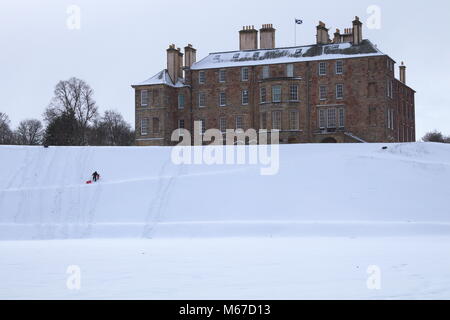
191, 107
308, 100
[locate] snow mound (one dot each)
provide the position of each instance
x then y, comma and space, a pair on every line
320, 190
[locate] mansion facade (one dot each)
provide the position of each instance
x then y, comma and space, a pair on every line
342, 90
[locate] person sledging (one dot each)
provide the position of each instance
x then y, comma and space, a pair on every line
95, 176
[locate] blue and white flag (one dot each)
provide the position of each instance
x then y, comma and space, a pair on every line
298, 21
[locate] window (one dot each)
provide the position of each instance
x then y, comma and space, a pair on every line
244, 97
322, 119
181, 101
341, 117
293, 93
264, 120
323, 92
222, 75
322, 68
202, 126
201, 77
223, 124
332, 118
390, 119
389, 90
276, 120
181, 126
201, 99
144, 98
290, 70
339, 67
266, 72
244, 74
222, 99
144, 126
239, 122
262, 95
339, 91
293, 120
155, 125
276, 94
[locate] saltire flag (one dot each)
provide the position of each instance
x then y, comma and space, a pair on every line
298, 21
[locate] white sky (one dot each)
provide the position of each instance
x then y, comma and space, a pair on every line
124, 42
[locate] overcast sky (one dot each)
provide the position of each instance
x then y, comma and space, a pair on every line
124, 42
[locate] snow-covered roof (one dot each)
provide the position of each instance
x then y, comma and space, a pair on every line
287, 55
162, 77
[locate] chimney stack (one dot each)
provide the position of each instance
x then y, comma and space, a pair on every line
190, 55
337, 36
180, 64
173, 62
248, 38
403, 73
357, 31
267, 37
322, 34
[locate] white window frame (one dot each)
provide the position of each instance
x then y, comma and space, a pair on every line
145, 128
341, 118
181, 101
322, 118
244, 97
276, 120
239, 122
293, 92
331, 118
245, 74
339, 91
339, 67
323, 92
390, 88
266, 72
201, 77
202, 126
263, 95
294, 120
290, 70
201, 99
277, 94
222, 75
222, 99
322, 68
223, 124
181, 127
144, 101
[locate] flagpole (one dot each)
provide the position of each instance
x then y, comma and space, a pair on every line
295, 33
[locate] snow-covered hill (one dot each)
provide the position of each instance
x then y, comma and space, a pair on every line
320, 190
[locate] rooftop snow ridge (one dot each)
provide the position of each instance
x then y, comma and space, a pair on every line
286, 55
161, 77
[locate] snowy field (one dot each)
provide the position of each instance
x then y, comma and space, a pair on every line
154, 230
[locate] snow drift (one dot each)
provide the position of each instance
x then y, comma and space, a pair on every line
333, 190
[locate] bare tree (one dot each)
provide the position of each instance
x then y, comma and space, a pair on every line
112, 130
76, 97
6, 135
29, 132
434, 136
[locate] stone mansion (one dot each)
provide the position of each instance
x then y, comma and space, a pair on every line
336, 90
